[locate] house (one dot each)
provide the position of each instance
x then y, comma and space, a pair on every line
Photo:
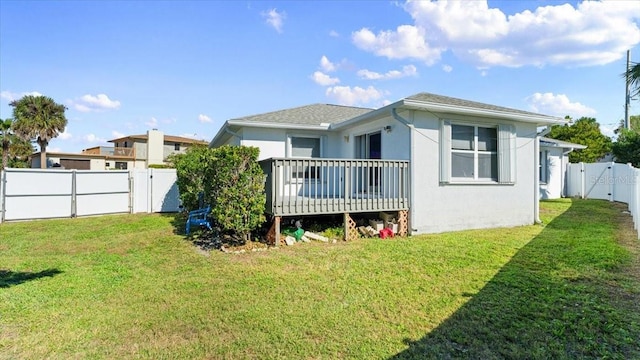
129, 152
443, 163
554, 157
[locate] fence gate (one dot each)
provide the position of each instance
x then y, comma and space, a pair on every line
27, 194
607, 181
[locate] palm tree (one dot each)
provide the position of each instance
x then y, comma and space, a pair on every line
5, 139
633, 76
39, 118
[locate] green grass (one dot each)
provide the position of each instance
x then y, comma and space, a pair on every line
130, 287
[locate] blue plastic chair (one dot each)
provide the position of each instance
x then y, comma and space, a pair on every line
199, 217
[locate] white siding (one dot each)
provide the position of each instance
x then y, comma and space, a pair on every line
437, 207
556, 173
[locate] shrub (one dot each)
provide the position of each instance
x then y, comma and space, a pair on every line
234, 187
191, 168
231, 180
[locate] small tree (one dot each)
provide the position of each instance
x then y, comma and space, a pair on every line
234, 187
15, 151
584, 131
38, 118
627, 148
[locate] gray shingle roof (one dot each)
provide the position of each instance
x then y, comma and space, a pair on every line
559, 143
446, 100
314, 114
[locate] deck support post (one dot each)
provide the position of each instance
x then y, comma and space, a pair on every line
273, 236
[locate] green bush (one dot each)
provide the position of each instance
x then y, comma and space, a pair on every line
191, 168
234, 187
160, 166
231, 181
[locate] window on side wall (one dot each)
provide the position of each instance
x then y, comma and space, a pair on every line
477, 153
305, 147
544, 166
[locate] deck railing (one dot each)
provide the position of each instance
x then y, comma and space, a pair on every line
297, 186
124, 152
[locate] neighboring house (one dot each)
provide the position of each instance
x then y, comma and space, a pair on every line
452, 164
554, 157
129, 152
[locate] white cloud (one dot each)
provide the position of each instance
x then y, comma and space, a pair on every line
406, 42
117, 134
275, 19
408, 70
326, 65
92, 138
87, 103
334, 33
204, 118
346, 95
447, 68
11, 96
65, 135
591, 33
558, 105
152, 123
324, 79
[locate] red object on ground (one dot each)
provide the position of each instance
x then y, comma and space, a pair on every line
386, 233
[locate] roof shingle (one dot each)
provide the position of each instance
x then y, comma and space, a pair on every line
315, 114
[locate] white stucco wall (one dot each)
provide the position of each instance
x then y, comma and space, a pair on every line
556, 172
273, 142
155, 150
395, 143
437, 207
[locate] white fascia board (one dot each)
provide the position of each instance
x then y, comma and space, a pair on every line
372, 115
496, 114
221, 132
265, 125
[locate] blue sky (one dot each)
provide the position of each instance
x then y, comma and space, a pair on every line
185, 67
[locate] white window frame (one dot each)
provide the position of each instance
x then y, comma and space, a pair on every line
544, 167
505, 153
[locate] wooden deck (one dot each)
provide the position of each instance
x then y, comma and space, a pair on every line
333, 186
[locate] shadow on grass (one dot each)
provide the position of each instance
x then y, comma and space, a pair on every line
559, 297
10, 278
178, 221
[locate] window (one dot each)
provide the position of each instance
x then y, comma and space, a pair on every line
176, 147
305, 147
125, 144
477, 153
474, 153
544, 167
121, 165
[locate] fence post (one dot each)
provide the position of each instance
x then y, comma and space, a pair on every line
611, 179
583, 185
74, 206
131, 191
3, 190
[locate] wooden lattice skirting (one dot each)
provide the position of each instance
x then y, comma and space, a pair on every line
403, 222
350, 229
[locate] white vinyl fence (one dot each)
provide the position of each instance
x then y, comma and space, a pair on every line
607, 181
27, 194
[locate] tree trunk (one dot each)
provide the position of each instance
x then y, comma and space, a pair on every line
43, 154
5, 154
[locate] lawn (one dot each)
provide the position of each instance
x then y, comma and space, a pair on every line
130, 287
